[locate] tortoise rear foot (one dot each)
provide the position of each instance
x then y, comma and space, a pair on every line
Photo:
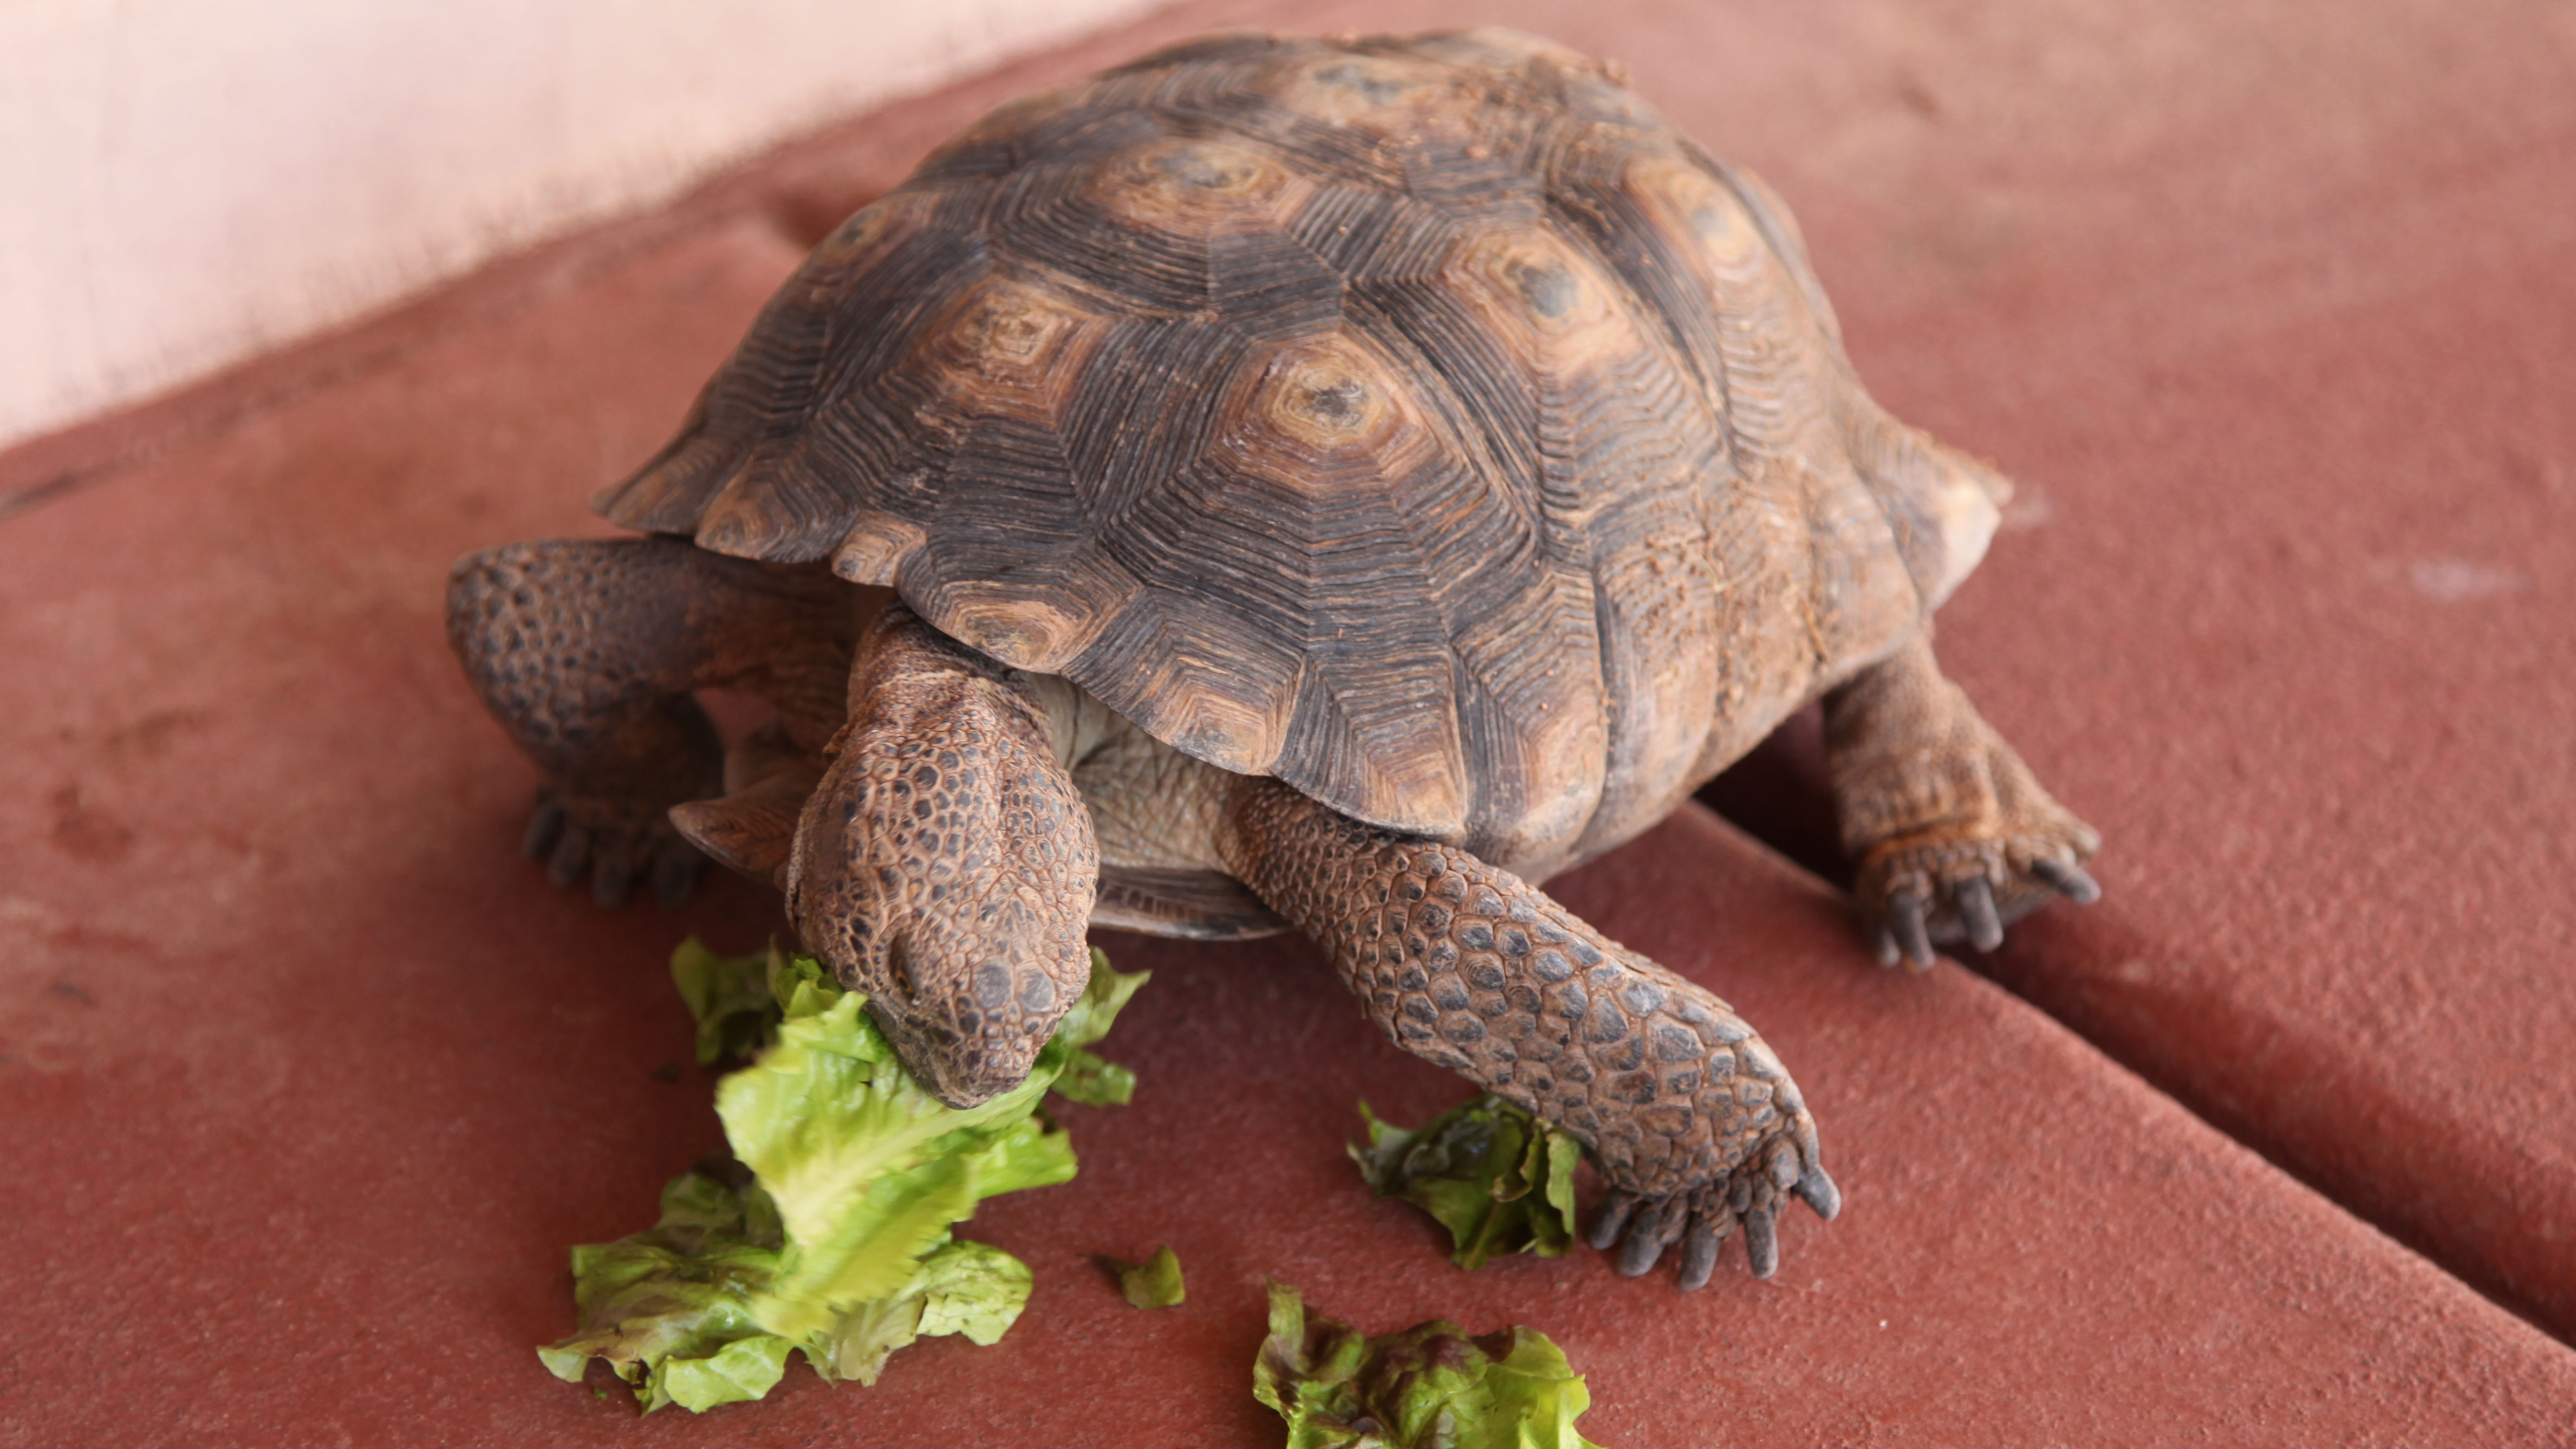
1687, 1112
1951, 835
1963, 887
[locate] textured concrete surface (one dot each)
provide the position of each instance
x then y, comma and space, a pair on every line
306, 1081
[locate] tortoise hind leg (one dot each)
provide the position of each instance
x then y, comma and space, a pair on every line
1950, 834
587, 652
1688, 1113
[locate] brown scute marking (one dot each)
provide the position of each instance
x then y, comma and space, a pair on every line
1387, 94
1544, 283
1217, 687
1194, 182
1210, 720
1009, 331
874, 548
1040, 625
1556, 304
1321, 403
1293, 519
846, 245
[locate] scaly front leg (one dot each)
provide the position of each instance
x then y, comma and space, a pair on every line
587, 652
1688, 1114
1950, 835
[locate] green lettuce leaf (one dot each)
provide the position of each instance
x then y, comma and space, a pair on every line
670, 1307
960, 1287
1095, 1083
1429, 1387
831, 1231
730, 997
1499, 1179
1154, 1283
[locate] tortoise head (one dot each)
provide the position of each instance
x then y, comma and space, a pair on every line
937, 870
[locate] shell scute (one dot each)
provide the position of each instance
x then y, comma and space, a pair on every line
1419, 420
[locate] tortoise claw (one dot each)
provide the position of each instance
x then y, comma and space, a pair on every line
1612, 1220
1817, 1191
1701, 1218
571, 858
1647, 1236
1906, 926
545, 827
1761, 1243
2067, 880
1699, 1252
1975, 899
612, 874
613, 844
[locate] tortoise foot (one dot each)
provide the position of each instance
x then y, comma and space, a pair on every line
1781, 1163
611, 843
1963, 885
1641, 1227
1951, 834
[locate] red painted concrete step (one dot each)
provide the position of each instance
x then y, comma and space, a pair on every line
306, 1082
2276, 319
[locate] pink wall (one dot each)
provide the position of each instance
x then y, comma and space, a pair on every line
183, 183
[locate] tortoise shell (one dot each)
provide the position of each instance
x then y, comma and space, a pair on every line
1422, 421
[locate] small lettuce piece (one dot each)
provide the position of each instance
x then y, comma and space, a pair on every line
671, 1309
960, 1287
1499, 1179
1429, 1387
831, 1233
1154, 1283
1095, 1083
731, 998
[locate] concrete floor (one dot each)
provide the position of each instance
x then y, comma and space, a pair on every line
306, 1081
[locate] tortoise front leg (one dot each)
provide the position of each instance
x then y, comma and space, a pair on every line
1688, 1114
587, 651
1950, 834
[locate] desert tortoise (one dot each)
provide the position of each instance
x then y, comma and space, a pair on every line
1330, 482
